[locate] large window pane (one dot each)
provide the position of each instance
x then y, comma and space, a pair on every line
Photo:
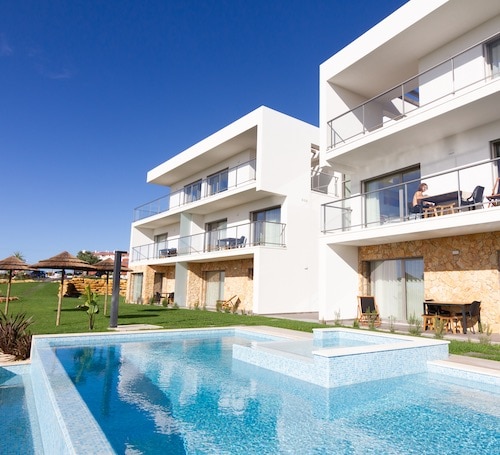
494, 57
387, 197
398, 287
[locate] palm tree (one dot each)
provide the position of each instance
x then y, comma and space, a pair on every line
19, 255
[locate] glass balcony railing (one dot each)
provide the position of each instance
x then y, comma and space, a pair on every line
263, 233
446, 79
208, 187
393, 204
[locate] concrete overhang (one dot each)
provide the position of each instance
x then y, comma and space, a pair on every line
403, 38
472, 222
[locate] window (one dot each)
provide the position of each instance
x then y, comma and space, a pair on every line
268, 229
398, 286
388, 196
137, 279
217, 182
192, 192
215, 231
495, 154
493, 56
214, 287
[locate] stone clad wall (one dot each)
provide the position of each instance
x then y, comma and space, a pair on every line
98, 285
461, 268
237, 282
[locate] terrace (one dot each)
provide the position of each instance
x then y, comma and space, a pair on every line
443, 82
391, 205
201, 189
256, 233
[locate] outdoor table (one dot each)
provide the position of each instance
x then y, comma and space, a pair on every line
228, 242
445, 198
453, 308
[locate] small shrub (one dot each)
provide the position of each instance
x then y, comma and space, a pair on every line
485, 336
439, 326
90, 305
355, 324
337, 321
415, 325
372, 319
15, 338
392, 326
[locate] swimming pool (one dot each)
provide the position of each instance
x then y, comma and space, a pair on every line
185, 393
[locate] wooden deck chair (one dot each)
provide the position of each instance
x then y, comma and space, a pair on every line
368, 311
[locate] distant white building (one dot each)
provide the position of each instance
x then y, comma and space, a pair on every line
415, 99
241, 220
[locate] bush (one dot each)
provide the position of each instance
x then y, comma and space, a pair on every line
15, 339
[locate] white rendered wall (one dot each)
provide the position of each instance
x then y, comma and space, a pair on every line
337, 281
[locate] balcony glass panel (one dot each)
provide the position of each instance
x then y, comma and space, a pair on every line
264, 233
391, 202
465, 70
231, 178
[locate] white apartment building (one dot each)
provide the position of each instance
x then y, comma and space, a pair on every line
240, 220
415, 99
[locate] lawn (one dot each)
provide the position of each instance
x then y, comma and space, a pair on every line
39, 300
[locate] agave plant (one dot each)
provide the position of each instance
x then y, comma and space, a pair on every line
15, 338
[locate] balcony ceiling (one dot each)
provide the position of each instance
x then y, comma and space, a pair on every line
396, 59
201, 156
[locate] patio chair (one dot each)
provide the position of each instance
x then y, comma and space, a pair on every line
240, 243
472, 317
494, 197
475, 199
368, 311
430, 315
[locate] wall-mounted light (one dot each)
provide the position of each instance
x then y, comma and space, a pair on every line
455, 252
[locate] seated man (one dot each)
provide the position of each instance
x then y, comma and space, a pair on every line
417, 203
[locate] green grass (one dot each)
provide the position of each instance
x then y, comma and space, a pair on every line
39, 299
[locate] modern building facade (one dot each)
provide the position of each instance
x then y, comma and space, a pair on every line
240, 222
415, 99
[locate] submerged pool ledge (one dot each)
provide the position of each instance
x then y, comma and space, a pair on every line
385, 356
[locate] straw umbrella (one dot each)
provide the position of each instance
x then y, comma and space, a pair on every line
107, 265
11, 263
63, 261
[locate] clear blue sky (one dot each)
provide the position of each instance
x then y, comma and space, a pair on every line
96, 93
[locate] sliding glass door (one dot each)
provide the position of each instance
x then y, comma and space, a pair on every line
398, 287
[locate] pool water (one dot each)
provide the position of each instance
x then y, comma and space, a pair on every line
191, 397
16, 435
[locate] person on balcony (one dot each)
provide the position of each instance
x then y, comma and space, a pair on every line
417, 203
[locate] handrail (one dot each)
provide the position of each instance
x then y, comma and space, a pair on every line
237, 175
407, 98
366, 210
262, 233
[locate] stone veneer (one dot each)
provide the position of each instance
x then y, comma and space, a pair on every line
237, 281
460, 268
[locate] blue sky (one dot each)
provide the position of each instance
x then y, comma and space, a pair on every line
96, 93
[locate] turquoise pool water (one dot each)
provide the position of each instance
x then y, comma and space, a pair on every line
16, 432
191, 397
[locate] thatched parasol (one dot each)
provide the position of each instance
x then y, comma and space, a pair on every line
107, 265
12, 263
63, 261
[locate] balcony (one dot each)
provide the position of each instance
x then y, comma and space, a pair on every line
391, 206
201, 189
462, 73
257, 233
